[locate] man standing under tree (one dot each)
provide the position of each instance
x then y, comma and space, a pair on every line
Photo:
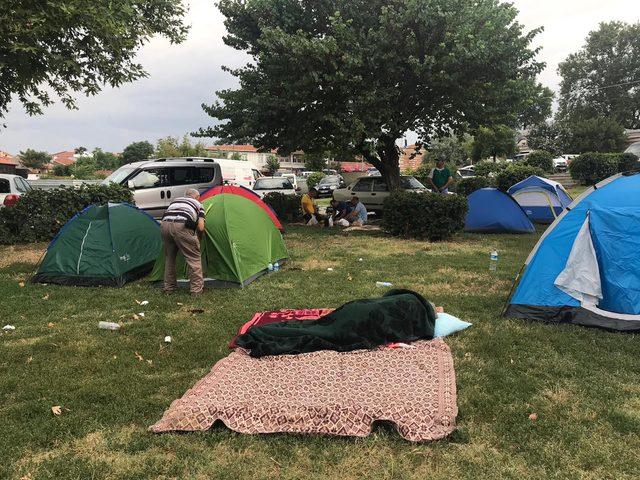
181, 224
440, 177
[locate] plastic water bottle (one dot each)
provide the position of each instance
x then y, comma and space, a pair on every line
493, 261
109, 326
276, 267
384, 284
270, 267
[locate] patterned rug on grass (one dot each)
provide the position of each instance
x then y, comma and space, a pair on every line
325, 392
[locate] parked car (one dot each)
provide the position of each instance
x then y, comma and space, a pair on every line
467, 172
372, 191
11, 187
293, 179
306, 173
155, 183
238, 172
266, 185
328, 184
561, 163
329, 171
373, 172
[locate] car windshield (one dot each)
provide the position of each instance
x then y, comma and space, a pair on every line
119, 175
280, 183
411, 183
331, 180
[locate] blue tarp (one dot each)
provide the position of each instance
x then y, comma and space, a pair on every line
491, 210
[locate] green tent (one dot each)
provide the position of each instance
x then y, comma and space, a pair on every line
102, 245
239, 242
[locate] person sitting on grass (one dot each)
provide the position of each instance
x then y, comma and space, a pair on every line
440, 177
340, 209
358, 216
309, 208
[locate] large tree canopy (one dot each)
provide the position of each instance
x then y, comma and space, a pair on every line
603, 78
357, 74
65, 46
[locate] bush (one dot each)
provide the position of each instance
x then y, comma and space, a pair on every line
39, 214
469, 185
540, 159
61, 170
314, 179
428, 216
287, 207
515, 173
591, 168
484, 169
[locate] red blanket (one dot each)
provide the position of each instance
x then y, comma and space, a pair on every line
264, 318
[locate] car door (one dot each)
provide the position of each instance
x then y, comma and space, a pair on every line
150, 188
379, 192
5, 189
206, 177
363, 190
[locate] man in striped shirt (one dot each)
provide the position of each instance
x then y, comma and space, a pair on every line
181, 223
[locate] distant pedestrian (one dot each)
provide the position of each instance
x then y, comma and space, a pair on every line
440, 177
181, 225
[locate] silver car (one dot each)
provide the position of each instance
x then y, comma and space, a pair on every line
155, 183
372, 191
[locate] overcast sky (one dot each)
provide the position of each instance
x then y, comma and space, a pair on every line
181, 77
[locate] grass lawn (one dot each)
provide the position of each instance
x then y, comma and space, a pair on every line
583, 384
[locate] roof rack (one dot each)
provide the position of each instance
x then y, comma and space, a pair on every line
188, 159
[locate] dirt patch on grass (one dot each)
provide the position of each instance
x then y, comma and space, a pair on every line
315, 264
21, 254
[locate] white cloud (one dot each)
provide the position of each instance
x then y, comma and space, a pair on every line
181, 77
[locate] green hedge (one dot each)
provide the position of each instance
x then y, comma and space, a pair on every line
515, 173
287, 207
540, 159
428, 216
467, 186
591, 168
314, 179
39, 214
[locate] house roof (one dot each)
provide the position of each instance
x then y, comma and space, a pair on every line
238, 149
406, 162
66, 158
7, 159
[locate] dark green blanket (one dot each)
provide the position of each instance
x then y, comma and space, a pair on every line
398, 316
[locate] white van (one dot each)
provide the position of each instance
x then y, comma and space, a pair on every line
156, 182
238, 172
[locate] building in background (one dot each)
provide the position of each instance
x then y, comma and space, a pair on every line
291, 163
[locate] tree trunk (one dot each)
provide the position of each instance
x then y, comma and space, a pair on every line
387, 162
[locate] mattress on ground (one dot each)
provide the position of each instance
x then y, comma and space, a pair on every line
325, 392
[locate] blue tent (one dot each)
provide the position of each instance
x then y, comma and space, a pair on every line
541, 199
493, 211
586, 269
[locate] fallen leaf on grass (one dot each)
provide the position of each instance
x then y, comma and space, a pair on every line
180, 304
46, 297
349, 277
57, 410
196, 310
150, 362
21, 284
136, 317
139, 357
30, 359
51, 324
141, 314
533, 417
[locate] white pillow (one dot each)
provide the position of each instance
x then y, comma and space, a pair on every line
447, 324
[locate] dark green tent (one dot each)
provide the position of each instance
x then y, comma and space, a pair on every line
239, 242
102, 245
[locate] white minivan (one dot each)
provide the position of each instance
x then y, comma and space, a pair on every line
156, 182
238, 172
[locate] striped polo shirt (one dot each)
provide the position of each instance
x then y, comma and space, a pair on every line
184, 208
